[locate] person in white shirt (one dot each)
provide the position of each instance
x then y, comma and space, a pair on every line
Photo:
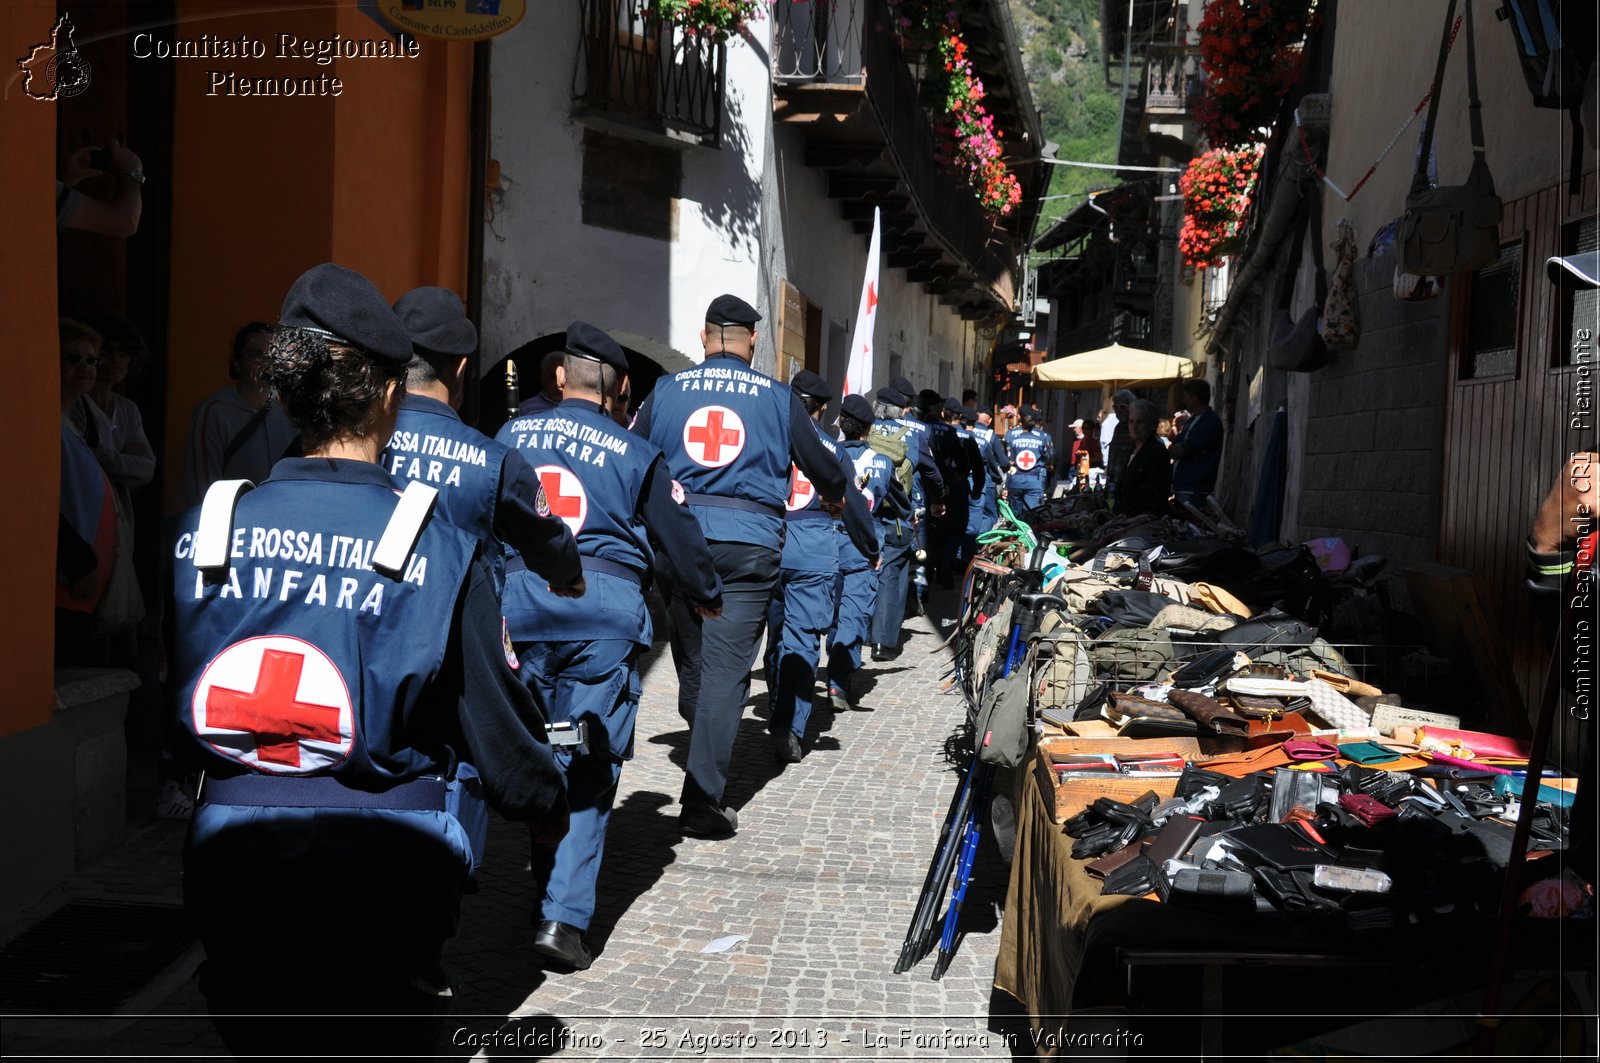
238, 432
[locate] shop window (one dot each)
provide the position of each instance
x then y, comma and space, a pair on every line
1490, 349
1580, 311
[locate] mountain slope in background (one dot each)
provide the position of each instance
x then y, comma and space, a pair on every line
1060, 42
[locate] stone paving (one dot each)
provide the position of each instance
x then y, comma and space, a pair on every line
821, 881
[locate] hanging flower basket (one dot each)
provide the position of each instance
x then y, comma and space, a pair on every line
968, 140
1251, 56
713, 20
1216, 189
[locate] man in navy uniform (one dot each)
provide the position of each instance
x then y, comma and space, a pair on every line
580, 659
963, 465
483, 488
930, 500
1032, 454
730, 435
802, 609
856, 587
898, 438
986, 510
342, 682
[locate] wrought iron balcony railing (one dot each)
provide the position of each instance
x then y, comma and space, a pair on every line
639, 71
1171, 79
818, 40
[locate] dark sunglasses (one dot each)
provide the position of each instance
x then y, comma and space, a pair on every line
73, 358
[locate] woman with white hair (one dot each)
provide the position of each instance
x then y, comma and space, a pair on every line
1146, 483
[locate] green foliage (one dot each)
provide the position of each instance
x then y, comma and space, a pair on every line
1078, 110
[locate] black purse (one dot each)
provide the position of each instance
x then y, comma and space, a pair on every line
1297, 346
1452, 228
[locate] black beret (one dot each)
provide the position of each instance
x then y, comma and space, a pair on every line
346, 308
857, 407
953, 405
969, 416
928, 399
893, 396
731, 310
586, 341
903, 386
811, 385
437, 322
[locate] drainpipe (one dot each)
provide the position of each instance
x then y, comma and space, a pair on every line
477, 194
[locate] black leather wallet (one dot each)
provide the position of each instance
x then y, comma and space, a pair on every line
1210, 884
1134, 879
1175, 838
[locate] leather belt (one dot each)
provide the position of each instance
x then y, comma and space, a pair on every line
321, 791
808, 514
590, 564
722, 502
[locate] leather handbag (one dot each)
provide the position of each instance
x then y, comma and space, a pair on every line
1452, 228
1296, 346
1209, 713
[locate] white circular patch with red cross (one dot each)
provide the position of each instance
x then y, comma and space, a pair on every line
564, 494
713, 436
276, 704
1026, 459
801, 490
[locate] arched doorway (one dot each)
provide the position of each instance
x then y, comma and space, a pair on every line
496, 401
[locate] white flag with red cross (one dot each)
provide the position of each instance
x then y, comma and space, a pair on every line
858, 372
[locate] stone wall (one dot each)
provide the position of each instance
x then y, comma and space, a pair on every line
1371, 471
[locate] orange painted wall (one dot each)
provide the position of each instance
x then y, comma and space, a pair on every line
31, 471
265, 187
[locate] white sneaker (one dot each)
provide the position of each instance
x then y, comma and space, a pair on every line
174, 801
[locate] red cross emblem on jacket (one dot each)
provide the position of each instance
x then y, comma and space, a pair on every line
276, 704
713, 436
564, 493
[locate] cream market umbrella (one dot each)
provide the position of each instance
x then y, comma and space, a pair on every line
1115, 364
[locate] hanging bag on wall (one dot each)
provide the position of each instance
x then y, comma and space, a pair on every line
1296, 346
1341, 322
1453, 228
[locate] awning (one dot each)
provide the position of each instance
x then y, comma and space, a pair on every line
1115, 364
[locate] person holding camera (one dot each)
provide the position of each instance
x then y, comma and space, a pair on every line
117, 216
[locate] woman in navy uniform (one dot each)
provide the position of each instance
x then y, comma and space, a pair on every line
344, 680
581, 658
1032, 454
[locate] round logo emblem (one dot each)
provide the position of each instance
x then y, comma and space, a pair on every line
564, 495
801, 490
1026, 459
678, 493
276, 704
713, 436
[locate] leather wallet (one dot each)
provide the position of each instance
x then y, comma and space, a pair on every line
1194, 779
1304, 749
1210, 713
1134, 878
1277, 845
1128, 706
1293, 790
1175, 838
1256, 707
1204, 669
1103, 866
1242, 799
1369, 810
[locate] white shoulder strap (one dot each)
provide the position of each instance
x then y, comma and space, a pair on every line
404, 529
216, 523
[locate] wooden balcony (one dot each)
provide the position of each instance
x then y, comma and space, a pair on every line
840, 79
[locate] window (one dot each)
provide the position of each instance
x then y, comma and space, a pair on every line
1580, 311
630, 186
1491, 342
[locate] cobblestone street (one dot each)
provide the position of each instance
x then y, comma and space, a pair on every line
821, 879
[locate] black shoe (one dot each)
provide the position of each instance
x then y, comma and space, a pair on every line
563, 944
708, 821
786, 747
885, 653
